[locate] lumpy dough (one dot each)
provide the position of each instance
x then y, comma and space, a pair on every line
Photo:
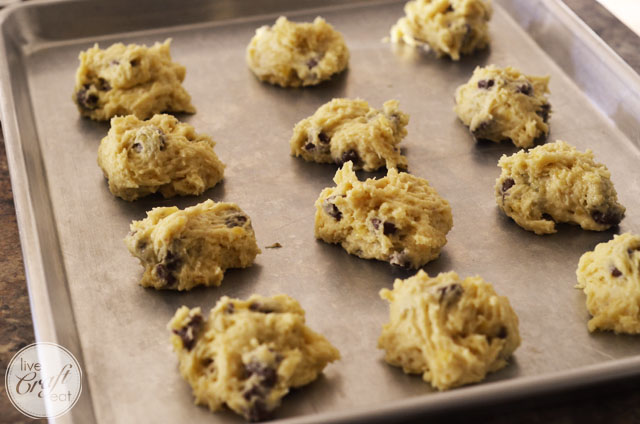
504, 104
398, 218
159, 155
293, 54
248, 354
610, 277
555, 183
350, 130
451, 331
181, 249
133, 79
449, 27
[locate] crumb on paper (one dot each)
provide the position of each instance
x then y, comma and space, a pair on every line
275, 245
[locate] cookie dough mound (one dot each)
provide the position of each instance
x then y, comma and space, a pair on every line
555, 183
451, 331
181, 249
159, 155
610, 277
293, 54
130, 80
248, 354
503, 104
449, 27
349, 130
398, 218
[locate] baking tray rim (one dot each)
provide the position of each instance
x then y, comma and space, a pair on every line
44, 321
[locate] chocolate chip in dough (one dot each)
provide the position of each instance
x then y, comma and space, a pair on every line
606, 218
389, 228
330, 209
486, 84
189, 333
507, 184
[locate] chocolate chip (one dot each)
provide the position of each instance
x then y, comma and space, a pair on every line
607, 218
189, 332
162, 139
449, 8
267, 379
259, 307
253, 392
309, 146
137, 147
526, 89
480, 129
547, 217
543, 112
172, 261
134, 62
258, 412
86, 100
235, 221
502, 333
103, 85
230, 308
375, 222
615, 272
507, 184
450, 293
486, 84
166, 269
312, 63
164, 274
400, 259
205, 362
388, 228
330, 209
323, 138
349, 155
268, 375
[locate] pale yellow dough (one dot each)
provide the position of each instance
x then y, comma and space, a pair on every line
293, 54
555, 183
248, 354
181, 249
350, 130
503, 104
449, 27
451, 331
610, 277
130, 80
159, 155
398, 218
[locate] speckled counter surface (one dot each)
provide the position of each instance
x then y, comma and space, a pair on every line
616, 403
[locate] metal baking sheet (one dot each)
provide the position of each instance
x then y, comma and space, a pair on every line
83, 282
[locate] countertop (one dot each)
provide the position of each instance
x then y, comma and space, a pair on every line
615, 403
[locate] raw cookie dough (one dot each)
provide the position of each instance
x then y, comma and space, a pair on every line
555, 183
503, 104
181, 249
133, 79
292, 54
398, 218
610, 277
159, 155
248, 354
451, 331
349, 130
449, 27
